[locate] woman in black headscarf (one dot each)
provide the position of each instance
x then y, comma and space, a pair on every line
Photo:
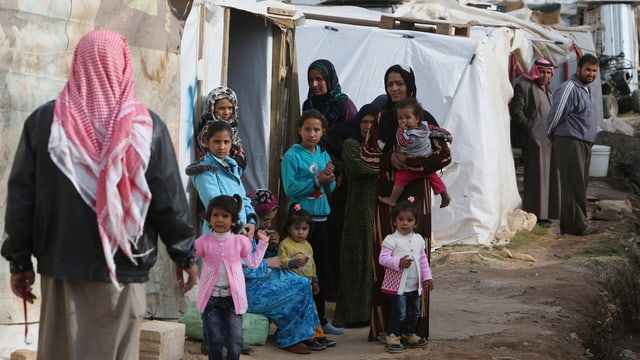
326, 96
354, 294
379, 152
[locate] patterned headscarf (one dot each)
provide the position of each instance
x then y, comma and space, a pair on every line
534, 73
330, 104
101, 140
209, 115
263, 202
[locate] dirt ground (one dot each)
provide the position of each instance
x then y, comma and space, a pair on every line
577, 300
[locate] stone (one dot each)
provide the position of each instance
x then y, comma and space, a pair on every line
161, 340
24, 354
611, 209
521, 220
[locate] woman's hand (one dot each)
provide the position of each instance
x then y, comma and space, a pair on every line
398, 161
274, 262
249, 230
262, 236
274, 239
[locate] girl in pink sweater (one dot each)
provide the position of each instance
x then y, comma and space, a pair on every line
407, 274
221, 296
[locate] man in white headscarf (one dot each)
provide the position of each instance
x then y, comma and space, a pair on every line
93, 184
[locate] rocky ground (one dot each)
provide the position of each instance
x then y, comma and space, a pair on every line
577, 300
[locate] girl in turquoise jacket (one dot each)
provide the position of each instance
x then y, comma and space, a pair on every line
307, 178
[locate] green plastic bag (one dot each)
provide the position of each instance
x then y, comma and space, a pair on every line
255, 328
192, 320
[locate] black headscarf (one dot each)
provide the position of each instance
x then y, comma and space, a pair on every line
353, 127
409, 79
388, 121
330, 104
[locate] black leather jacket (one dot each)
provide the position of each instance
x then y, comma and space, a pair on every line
47, 218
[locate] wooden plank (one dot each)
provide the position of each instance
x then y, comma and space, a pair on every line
281, 12
439, 27
387, 22
342, 20
278, 120
225, 47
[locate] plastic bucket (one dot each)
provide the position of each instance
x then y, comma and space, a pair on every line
599, 160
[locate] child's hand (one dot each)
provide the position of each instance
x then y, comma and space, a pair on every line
406, 261
315, 288
262, 236
326, 176
302, 261
427, 285
330, 167
249, 230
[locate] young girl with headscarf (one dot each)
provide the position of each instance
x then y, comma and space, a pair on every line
221, 105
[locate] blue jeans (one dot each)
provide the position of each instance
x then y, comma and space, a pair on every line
404, 307
222, 322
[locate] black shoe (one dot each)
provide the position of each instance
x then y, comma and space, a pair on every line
544, 223
204, 347
326, 342
315, 345
247, 349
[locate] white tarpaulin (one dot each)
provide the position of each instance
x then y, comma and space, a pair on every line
464, 83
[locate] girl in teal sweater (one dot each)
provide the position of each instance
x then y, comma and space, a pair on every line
307, 177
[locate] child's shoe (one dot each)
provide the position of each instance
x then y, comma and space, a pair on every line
315, 345
393, 344
328, 328
326, 341
413, 341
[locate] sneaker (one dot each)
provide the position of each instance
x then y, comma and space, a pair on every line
393, 344
413, 341
315, 345
326, 341
247, 349
298, 348
328, 328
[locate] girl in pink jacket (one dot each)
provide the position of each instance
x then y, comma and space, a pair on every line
221, 296
407, 274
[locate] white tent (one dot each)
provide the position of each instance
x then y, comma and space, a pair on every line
462, 81
38, 39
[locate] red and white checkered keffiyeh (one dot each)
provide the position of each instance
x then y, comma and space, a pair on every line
101, 140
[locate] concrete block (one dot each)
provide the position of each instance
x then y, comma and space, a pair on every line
24, 354
161, 340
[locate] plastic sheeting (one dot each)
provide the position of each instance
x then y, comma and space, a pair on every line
463, 82
249, 75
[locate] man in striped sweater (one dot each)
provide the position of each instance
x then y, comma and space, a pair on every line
572, 130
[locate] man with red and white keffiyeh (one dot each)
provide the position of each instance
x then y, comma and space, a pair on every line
93, 185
